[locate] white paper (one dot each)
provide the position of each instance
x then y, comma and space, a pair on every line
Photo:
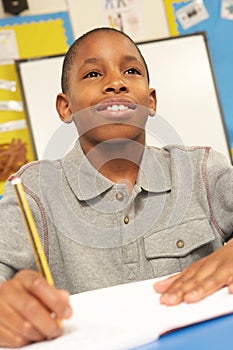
8, 46
13, 125
11, 106
9, 85
127, 316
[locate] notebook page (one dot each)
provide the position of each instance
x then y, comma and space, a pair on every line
126, 316
114, 318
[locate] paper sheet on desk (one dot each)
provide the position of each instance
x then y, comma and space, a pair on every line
127, 316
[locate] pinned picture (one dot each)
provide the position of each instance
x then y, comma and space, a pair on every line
15, 148
124, 15
192, 14
13, 155
8, 46
227, 9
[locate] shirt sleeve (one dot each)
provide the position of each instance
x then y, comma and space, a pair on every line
15, 249
219, 187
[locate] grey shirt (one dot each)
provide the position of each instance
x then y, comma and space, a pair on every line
96, 235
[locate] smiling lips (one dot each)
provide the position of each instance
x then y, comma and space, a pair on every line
116, 107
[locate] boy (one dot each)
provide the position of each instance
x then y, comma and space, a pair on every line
113, 210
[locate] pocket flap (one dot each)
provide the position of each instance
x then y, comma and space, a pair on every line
179, 241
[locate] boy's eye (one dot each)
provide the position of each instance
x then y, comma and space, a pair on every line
92, 74
132, 71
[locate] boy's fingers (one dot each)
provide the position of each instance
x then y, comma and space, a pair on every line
36, 322
35, 315
220, 278
162, 285
197, 284
16, 324
200, 279
230, 288
10, 339
57, 301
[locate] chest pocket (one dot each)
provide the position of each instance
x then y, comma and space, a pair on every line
180, 241
172, 250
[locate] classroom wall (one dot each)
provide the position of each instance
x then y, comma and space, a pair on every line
151, 12
65, 20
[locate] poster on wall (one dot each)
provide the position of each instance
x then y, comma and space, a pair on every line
13, 147
8, 46
227, 9
191, 14
125, 15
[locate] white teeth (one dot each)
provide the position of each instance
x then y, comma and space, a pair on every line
121, 107
116, 108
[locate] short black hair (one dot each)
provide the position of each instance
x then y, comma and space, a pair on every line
71, 53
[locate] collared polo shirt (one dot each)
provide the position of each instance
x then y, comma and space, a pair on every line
95, 234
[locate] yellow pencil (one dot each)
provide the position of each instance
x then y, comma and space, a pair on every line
38, 251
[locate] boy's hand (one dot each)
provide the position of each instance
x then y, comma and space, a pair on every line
28, 306
200, 279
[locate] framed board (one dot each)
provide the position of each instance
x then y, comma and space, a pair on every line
218, 27
180, 69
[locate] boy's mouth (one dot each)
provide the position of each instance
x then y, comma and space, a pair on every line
116, 106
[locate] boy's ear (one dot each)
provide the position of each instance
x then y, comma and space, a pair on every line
63, 108
153, 102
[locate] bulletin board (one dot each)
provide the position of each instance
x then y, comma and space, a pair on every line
218, 26
188, 105
30, 36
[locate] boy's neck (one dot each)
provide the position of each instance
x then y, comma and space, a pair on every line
119, 162
121, 171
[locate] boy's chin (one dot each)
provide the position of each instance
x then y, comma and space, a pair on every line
116, 134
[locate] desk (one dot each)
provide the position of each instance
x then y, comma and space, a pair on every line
216, 334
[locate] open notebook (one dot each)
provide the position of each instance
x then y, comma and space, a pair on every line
126, 316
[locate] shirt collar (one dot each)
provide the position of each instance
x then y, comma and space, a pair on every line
154, 173
87, 183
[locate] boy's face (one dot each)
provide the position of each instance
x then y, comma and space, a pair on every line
108, 72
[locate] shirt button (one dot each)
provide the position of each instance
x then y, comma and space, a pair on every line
180, 243
119, 196
126, 219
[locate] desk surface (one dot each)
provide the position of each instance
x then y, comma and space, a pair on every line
215, 334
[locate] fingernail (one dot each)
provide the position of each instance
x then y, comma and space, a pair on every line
68, 312
167, 298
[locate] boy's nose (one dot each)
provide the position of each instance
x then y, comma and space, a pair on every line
116, 85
